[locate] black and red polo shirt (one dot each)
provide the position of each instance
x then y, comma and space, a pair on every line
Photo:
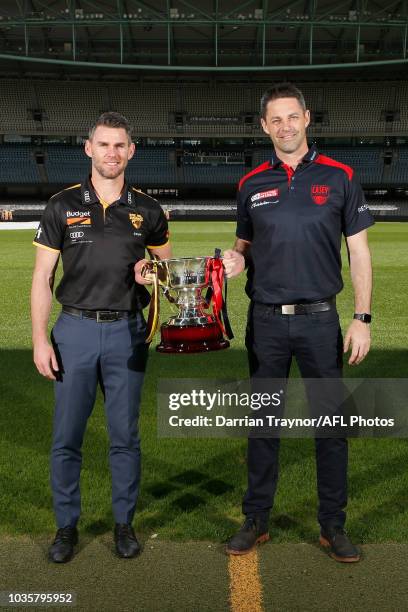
294, 220
100, 244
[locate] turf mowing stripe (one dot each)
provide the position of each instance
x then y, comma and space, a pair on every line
245, 583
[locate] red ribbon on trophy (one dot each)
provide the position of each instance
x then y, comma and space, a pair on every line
217, 292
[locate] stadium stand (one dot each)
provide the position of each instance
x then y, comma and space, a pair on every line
399, 170
17, 164
147, 106
182, 125
68, 164
65, 164
17, 97
210, 174
68, 104
201, 107
156, 165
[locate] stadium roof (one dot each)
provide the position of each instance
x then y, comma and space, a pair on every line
189, 36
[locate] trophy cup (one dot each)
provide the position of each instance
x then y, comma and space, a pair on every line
191, 330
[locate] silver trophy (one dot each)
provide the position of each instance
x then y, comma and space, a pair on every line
183, 280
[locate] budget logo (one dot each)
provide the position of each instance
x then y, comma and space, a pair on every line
320, 194
79, 217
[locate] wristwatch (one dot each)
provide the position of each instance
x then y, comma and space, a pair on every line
364, 317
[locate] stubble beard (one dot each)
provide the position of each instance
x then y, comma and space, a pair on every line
290, 147
112, 174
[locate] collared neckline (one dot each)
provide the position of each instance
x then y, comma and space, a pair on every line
89, 195
310, 156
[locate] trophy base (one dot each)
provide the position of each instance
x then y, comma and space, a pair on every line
191, 339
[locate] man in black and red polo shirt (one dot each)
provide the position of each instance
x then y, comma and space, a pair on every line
292, 212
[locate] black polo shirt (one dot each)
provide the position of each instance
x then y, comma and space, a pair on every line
295, 221
100, 245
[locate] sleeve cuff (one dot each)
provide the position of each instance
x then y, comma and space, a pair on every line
241, 237
47, 248
157, 246
353, 232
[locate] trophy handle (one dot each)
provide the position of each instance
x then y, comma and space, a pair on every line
163, 276
154, 308
159, 275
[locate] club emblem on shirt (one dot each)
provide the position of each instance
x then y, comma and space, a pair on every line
136, 220
320, 194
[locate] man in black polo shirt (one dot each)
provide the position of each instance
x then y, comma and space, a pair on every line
292, 212
101, 229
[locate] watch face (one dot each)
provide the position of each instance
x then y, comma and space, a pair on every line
366, 318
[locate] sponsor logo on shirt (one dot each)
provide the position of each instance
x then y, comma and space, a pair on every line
75, 235
79, 217
39, 232
78, 213
320, 194
362, 208
263, 203
136, 220
272, 193
87, 197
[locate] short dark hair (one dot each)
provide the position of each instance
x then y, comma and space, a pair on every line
112, 120
281, 90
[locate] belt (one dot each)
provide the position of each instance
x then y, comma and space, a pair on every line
303, 308
101, 316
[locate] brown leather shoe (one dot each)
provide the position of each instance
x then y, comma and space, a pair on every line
339, 546
254, 531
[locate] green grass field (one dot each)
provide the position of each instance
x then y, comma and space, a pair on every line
192, 489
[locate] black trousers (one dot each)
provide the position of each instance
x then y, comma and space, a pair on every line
315, 340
